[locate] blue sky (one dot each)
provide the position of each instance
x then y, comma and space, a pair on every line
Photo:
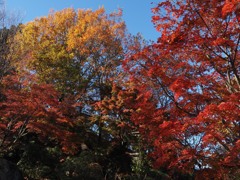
136, 13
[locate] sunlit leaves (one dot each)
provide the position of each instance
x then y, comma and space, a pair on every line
231, 6
71, 49
193, 74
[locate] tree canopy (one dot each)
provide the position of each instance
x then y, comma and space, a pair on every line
193, 74
81, 98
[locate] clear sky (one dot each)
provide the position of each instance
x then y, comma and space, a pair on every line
136, 13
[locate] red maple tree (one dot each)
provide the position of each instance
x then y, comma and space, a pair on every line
193, 73
27, 107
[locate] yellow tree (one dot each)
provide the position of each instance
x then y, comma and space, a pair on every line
80, 52
68, 48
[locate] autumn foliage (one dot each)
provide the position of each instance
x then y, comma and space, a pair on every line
72, 49
100, 100
193, 74
27, 107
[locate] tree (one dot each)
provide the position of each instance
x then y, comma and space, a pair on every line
8, 28
79, 52
72, 49
30, 108
193, 73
